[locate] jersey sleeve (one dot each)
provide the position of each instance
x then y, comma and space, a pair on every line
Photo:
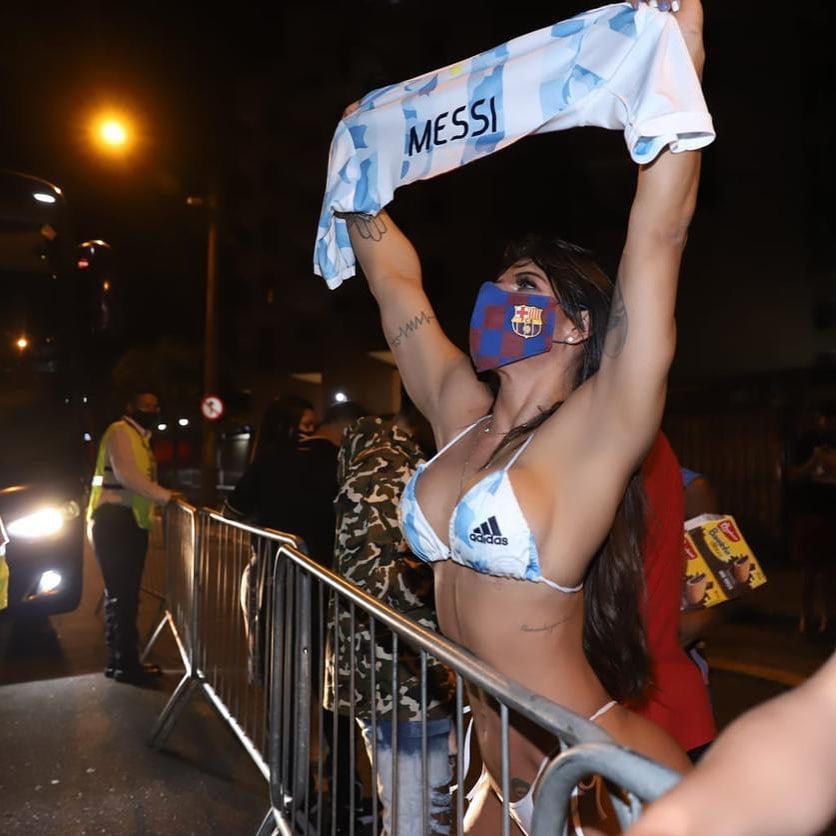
657, 94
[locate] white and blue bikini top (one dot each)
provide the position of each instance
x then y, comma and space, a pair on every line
488, 531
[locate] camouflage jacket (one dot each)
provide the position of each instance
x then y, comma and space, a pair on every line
375, 463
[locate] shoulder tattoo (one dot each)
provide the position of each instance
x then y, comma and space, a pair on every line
368, 227
617, 326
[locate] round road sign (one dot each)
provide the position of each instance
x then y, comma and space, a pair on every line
212, 408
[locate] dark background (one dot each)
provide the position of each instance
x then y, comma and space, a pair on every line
248, 97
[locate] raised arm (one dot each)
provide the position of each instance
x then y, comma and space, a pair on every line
629, 389
438, 376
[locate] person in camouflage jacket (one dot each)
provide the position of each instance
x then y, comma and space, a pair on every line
376, 461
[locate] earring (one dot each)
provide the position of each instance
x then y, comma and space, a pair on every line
570, 339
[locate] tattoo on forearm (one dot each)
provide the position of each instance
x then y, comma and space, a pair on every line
617, 325
369, 227
410, 327
519, 788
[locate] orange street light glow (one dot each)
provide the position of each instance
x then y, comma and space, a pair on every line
22, 343
113, 132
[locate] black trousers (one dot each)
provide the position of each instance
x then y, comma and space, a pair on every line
120, 546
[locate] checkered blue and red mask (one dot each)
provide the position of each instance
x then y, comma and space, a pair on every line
506, 327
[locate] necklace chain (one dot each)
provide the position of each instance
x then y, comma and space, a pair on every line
470, 449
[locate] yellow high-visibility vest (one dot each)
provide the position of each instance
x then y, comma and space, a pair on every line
105, 479
4, 569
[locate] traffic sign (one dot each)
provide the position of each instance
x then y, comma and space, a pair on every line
212, 408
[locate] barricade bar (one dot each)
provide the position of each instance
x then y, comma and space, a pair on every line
251, 613
550, 716
642, 778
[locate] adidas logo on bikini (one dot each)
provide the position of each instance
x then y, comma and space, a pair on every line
488, 532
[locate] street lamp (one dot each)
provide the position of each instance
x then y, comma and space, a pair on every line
114, 134
111, 133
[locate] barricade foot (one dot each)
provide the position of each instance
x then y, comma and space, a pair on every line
172, 711
154, 636
268, 826
275, 824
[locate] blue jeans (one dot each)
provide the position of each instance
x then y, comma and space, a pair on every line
410, 808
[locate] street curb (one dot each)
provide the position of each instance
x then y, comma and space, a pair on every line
766, 672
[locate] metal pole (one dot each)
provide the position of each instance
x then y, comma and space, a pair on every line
208, 459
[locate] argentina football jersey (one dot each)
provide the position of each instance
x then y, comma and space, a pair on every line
615, 67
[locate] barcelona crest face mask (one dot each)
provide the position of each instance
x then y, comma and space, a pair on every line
506, 327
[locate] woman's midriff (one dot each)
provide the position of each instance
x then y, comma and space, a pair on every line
528, 632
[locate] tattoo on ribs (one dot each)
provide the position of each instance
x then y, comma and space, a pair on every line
410, 327
369, 227
545, 628
617, 326
519, 788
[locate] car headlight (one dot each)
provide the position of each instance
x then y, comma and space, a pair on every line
49, 583
43, 523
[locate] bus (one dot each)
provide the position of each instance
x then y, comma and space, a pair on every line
54, 307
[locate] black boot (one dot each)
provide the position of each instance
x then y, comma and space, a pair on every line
110, 634
140, 673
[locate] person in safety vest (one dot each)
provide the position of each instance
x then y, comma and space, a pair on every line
119, 515
4, 568
5, 624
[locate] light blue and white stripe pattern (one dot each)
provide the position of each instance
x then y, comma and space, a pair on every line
613, 67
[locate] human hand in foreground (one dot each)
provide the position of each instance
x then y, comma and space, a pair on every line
770, 773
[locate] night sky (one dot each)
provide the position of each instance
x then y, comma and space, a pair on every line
758, 283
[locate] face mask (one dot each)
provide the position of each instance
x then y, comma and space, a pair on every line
146, 420
506, 327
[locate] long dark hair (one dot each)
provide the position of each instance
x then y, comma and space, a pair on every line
613, 632
279, 430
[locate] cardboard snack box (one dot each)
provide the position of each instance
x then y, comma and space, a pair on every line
719, 564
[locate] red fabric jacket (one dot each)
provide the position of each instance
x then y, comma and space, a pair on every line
677, 699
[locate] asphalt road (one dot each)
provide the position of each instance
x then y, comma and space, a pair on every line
75, 756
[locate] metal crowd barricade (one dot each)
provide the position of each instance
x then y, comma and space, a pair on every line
642, 778
304, 813
264, 676
154, 574
210, 560
178, 536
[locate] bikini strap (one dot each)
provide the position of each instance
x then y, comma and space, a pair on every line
603, 710
450, 443
568, 590
519, 452
465, 754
